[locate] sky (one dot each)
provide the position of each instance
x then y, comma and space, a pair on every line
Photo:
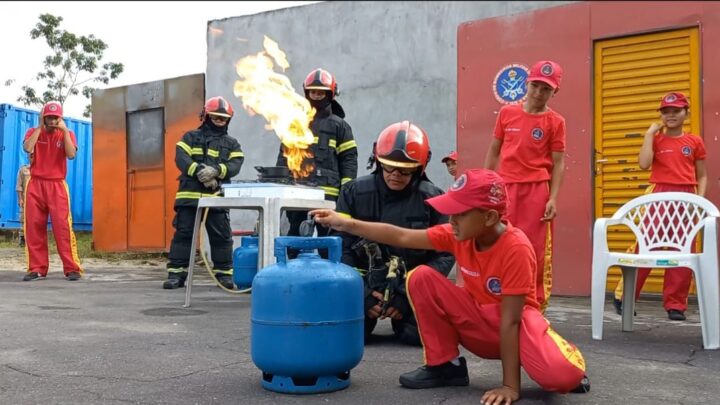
154, 40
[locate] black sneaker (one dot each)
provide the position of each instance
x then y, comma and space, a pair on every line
676, 315
173, 283
583, 387
32, 276
446, 374
618, 306
73, 276
225, 280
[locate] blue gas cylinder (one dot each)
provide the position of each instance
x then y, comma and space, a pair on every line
245, 262
307, 318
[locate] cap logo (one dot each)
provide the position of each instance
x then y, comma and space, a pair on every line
52, 107
686, 150
546, 69
670, 98
493, 285
496, 194
537, 134
509, 85
459, 183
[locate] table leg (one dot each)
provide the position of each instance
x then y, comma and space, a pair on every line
269, 214
191, 262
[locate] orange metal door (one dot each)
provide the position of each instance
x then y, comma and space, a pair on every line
146, 179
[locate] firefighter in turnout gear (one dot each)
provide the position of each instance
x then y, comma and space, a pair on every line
206, 157
394, 193
334, 149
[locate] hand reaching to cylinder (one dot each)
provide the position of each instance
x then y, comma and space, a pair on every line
330, 218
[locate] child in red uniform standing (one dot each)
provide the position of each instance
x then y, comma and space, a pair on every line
677, 162
495, 314
529, 142
51, 143
450, 162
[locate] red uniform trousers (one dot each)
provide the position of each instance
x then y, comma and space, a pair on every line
526, 206
676, 282
52, 197
448, 315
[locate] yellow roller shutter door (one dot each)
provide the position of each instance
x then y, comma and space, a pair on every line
631, 76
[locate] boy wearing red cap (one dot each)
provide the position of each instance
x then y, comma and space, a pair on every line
495, 314
677, 163
51, 144
450, 162
529, 143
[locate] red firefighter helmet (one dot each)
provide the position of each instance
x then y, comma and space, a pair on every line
320, 79
403, 144
52, 109
217, 106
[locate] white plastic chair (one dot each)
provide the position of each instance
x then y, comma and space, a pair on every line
661, 220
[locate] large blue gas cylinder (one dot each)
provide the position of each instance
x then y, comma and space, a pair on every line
245, 262
307, 318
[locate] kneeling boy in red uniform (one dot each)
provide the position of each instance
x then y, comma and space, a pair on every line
495, 314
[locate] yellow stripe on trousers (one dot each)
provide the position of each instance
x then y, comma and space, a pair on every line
73, 241
407, 280
547, 267
27, 251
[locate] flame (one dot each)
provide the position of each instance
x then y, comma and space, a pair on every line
270, 94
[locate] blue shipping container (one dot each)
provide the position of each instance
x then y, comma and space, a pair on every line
14, 122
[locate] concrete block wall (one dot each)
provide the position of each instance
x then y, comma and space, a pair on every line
393, 61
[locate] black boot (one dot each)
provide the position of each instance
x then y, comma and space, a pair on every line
175, 280
225, 280
446, 374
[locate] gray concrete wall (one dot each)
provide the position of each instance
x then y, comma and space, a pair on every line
392, 60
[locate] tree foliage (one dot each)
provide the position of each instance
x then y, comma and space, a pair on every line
72, 67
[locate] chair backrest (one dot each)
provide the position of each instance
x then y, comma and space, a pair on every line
668, 220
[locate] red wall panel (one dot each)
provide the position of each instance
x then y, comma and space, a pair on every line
565, 34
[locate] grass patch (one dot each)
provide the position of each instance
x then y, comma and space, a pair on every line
85, 249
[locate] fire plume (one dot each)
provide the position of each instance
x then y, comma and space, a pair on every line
270, 94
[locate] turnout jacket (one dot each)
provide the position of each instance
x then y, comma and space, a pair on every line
334, 153
209, 146
368, 198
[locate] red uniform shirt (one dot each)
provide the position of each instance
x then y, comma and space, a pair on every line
528, 141
507, 268
49, 158
674, 158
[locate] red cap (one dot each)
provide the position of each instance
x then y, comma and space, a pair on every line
674, 100
52, 109
475, 188
451, 156
546, 71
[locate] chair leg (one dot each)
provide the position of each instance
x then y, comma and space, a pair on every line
597, 304
706, 280
628, 310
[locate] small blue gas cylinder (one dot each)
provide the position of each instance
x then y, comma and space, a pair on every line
245, 262
307, 318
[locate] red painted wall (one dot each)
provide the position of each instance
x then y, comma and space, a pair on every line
565, 34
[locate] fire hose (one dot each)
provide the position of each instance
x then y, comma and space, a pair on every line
204, 257
306, 229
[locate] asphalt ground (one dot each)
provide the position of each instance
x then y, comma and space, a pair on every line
115, 337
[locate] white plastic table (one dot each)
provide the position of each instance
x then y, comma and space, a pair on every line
269, 228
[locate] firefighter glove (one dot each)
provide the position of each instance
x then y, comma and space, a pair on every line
212, 184
207, 173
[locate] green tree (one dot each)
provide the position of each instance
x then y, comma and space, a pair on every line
73, 66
